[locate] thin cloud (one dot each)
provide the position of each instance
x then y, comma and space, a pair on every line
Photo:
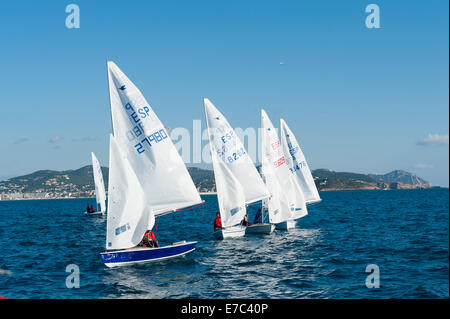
21, 140
423, 166
56, 139
434, 140
84, 139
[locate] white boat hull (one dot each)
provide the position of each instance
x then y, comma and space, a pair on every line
289, 224
94, 213
230, 232
260, 229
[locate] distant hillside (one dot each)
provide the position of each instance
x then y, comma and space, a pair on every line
80, 182
326, 173
403, 177
330, 180
77, 183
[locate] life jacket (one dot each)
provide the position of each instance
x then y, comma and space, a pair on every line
149, 236
217, 222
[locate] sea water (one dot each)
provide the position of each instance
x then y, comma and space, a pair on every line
404, 233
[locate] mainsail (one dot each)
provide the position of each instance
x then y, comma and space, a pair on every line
100, 193
297, 164
232, 153
148, 147
286, 201
149, 162
237, 180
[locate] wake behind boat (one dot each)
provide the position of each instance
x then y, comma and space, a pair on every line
147, 177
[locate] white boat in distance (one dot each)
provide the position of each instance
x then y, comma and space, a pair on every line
147, 177
238, 182
100, 193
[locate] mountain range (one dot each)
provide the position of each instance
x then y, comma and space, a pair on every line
80, 182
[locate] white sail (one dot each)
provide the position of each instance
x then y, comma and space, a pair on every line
143, 139
230, 193
229, 149
297, 164
286, 201
129, 216
100, 193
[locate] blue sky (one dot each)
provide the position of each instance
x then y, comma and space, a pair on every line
358, 99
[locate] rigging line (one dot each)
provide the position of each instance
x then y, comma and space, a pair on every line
156, 227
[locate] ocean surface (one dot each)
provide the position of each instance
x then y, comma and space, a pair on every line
404, 232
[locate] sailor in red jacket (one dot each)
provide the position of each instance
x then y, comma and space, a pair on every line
217, 222
149, 240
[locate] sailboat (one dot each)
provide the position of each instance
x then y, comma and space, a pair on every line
287, 202
297, 164
100, 194
147, 177
237, 180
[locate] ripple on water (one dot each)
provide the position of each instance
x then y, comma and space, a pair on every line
404, 232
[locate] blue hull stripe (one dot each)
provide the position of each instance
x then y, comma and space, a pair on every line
147, 254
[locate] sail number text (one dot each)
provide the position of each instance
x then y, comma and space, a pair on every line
297, 166
156, 137
236, 155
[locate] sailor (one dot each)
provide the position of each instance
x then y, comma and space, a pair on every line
92, 209
88, 209
244, 221
149, 240
258, 217
217, 222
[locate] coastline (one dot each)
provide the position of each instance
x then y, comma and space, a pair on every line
215, 193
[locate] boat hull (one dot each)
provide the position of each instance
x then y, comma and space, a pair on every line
289, 224
144, 254
260, 229
94, 213
230, 232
